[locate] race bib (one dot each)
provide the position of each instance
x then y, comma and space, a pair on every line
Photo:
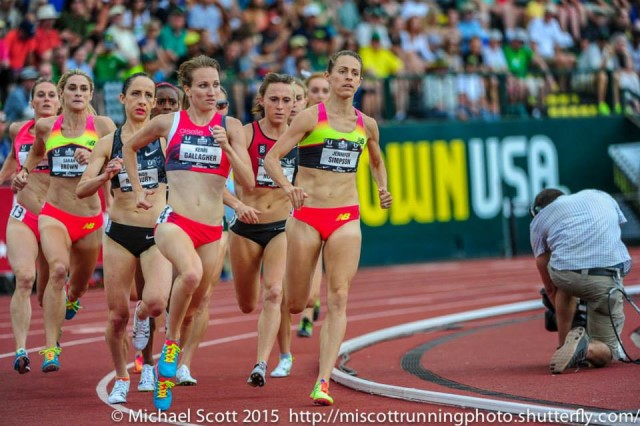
148, 179
18, 212
201, 152
164, 214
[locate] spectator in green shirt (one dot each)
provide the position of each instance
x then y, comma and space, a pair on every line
109, 66
172, 36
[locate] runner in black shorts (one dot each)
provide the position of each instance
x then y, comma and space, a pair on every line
129, 243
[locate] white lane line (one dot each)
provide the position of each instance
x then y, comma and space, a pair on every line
413, 394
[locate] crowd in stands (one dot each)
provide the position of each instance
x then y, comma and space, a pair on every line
447, 59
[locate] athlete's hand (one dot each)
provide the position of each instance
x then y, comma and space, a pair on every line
385, 197
247, 214
219, 133
82, 156
114, 166
141, 199
20, 181
296, 196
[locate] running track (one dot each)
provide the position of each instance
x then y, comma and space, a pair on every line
502, 357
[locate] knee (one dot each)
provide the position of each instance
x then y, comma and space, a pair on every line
296, 307
118, 320
273, 294
58, 273
191, 279
156, 306
246, 307
24, 281
337, 300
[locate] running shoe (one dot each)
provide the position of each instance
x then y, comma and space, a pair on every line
305, 329
138, 362
184, 378
320, 394
72, 307
51, 362
258, 375
284, 367
147, 379
168, 362
162, 396
21, 361
573, 353
119, 392
635, 337
316, 310
141, 330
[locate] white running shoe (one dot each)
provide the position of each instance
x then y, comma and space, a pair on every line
183, 377
284, 367
147, 379
141, 330
119, 392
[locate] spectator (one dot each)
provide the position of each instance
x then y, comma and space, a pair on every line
6, 74
123, 37
59, 61
10, 14
320, 49
348, 17
439, 92
47, 37
150, 44
109, 66
45, 71
78, 61
374, 23
470, 26
137, 19
5, 140
21, 46
17, 106
472, 97
626, 76
297, 49
550, 42
172, 35
206, 16
74, 23
415, 45
381, 63
576, 242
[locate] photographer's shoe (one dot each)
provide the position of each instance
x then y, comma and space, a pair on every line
573, 353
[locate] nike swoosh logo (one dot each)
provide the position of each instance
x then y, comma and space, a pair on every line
150, 153
149, 237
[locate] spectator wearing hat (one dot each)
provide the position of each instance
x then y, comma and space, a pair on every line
319, 49
17, 106
381, 63
375, 21
496, 63
21, 46
172, 35
313, 27
47, 37
297, 49
125, 41
109, 65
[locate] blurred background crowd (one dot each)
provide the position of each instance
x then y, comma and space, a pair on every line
423, 59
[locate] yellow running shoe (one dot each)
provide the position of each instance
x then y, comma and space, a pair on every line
51, 362
320, 394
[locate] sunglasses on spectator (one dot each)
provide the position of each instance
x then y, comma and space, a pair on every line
221, 104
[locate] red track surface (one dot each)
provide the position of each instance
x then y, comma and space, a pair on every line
510, 358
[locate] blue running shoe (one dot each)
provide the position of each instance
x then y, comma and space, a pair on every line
168, 362
51, 362
72, 307
21, 361
162, 395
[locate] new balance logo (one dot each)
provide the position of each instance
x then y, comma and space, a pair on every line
90, 225
343, 216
